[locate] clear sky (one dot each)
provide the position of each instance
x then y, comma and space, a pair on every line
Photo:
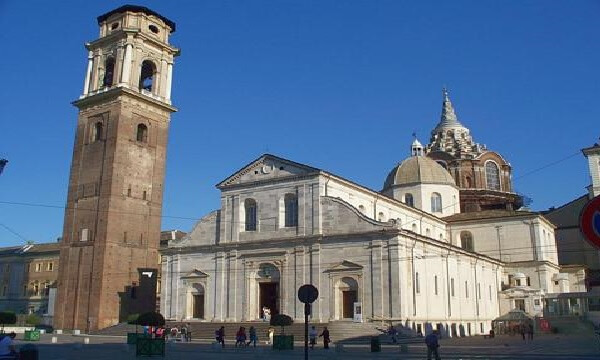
339, 85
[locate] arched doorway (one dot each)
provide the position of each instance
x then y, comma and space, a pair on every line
268, 289
347, 296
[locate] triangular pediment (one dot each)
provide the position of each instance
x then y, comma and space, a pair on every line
195, 274
345, 265
266, 167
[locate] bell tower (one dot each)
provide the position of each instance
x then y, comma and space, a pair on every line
112, 220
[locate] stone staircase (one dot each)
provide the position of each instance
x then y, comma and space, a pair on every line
341, 331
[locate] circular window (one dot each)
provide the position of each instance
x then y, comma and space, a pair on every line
114, 26
153, 28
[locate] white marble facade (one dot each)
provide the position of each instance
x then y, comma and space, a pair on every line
403, 268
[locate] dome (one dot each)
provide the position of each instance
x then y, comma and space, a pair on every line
417, 170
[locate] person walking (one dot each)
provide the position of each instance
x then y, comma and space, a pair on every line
270, 334
433, 345
312, 337
253, 337
530, 331
240, 337
220, 336
522, 330
326, 338
188, 337
393, 333
183, 332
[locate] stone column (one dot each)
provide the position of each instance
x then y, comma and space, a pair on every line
376, 279
299, 280
218, 295
394, 283
88, 74
315, 279
169, 80
125, 75
162, 80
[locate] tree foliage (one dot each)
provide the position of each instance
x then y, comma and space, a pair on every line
7, 318
33, 319
151, 319
281, 320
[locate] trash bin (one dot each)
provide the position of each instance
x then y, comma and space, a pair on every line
28, 352
375, 344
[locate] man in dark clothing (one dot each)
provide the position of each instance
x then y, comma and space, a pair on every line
220, 336
326, 338
431, 341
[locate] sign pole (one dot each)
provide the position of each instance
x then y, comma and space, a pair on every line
306, 313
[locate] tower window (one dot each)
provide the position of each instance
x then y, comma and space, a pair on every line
109, 72
144, 195
114, 26
153, 28
436, 202
492, 175
468, 182
291, 210
98, 129
250, 209
408, 199
147, 75
142, 133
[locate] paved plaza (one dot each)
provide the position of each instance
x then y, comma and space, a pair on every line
502, 347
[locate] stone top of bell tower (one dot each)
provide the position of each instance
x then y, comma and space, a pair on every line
452, 137
132, 55
136, 18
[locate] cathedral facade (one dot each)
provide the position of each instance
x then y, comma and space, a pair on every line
407, 254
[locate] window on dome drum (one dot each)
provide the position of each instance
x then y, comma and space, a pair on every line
466, 240
380, 217
492, 175
109, 72
250, 209
98, 128
408, 199
468, 182
142, 133
291, 210
436, 202
361, 209
147, 75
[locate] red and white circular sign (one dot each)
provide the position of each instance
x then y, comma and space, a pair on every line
589, 221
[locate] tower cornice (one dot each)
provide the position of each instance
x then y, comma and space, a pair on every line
113, 93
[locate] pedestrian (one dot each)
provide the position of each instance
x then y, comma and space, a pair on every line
253, 337
183, 334
312, 336
160, 332
270, 334
240, 337
188, 337
530, 331
393, 333
7, 347
220, 336
522, 330
326, 338
431, 341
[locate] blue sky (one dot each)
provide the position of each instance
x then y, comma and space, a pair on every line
339, 85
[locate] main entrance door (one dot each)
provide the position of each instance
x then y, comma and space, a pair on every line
198, 302
269, 297
348, 299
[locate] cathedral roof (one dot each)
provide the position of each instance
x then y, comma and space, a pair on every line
418, 170
489, 214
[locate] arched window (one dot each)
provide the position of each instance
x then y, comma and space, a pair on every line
414, 228
428, 232
250, 209
436, 202
147, 76
380, 217
361, 209
408, 199
466, 240
142, 133
291, 210
109, 72
98, 128
492, 175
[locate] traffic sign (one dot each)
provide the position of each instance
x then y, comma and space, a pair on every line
589, 221
308, 293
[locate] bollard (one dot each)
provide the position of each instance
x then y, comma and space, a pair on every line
76, 332
54, 339
59, 332
86, 340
